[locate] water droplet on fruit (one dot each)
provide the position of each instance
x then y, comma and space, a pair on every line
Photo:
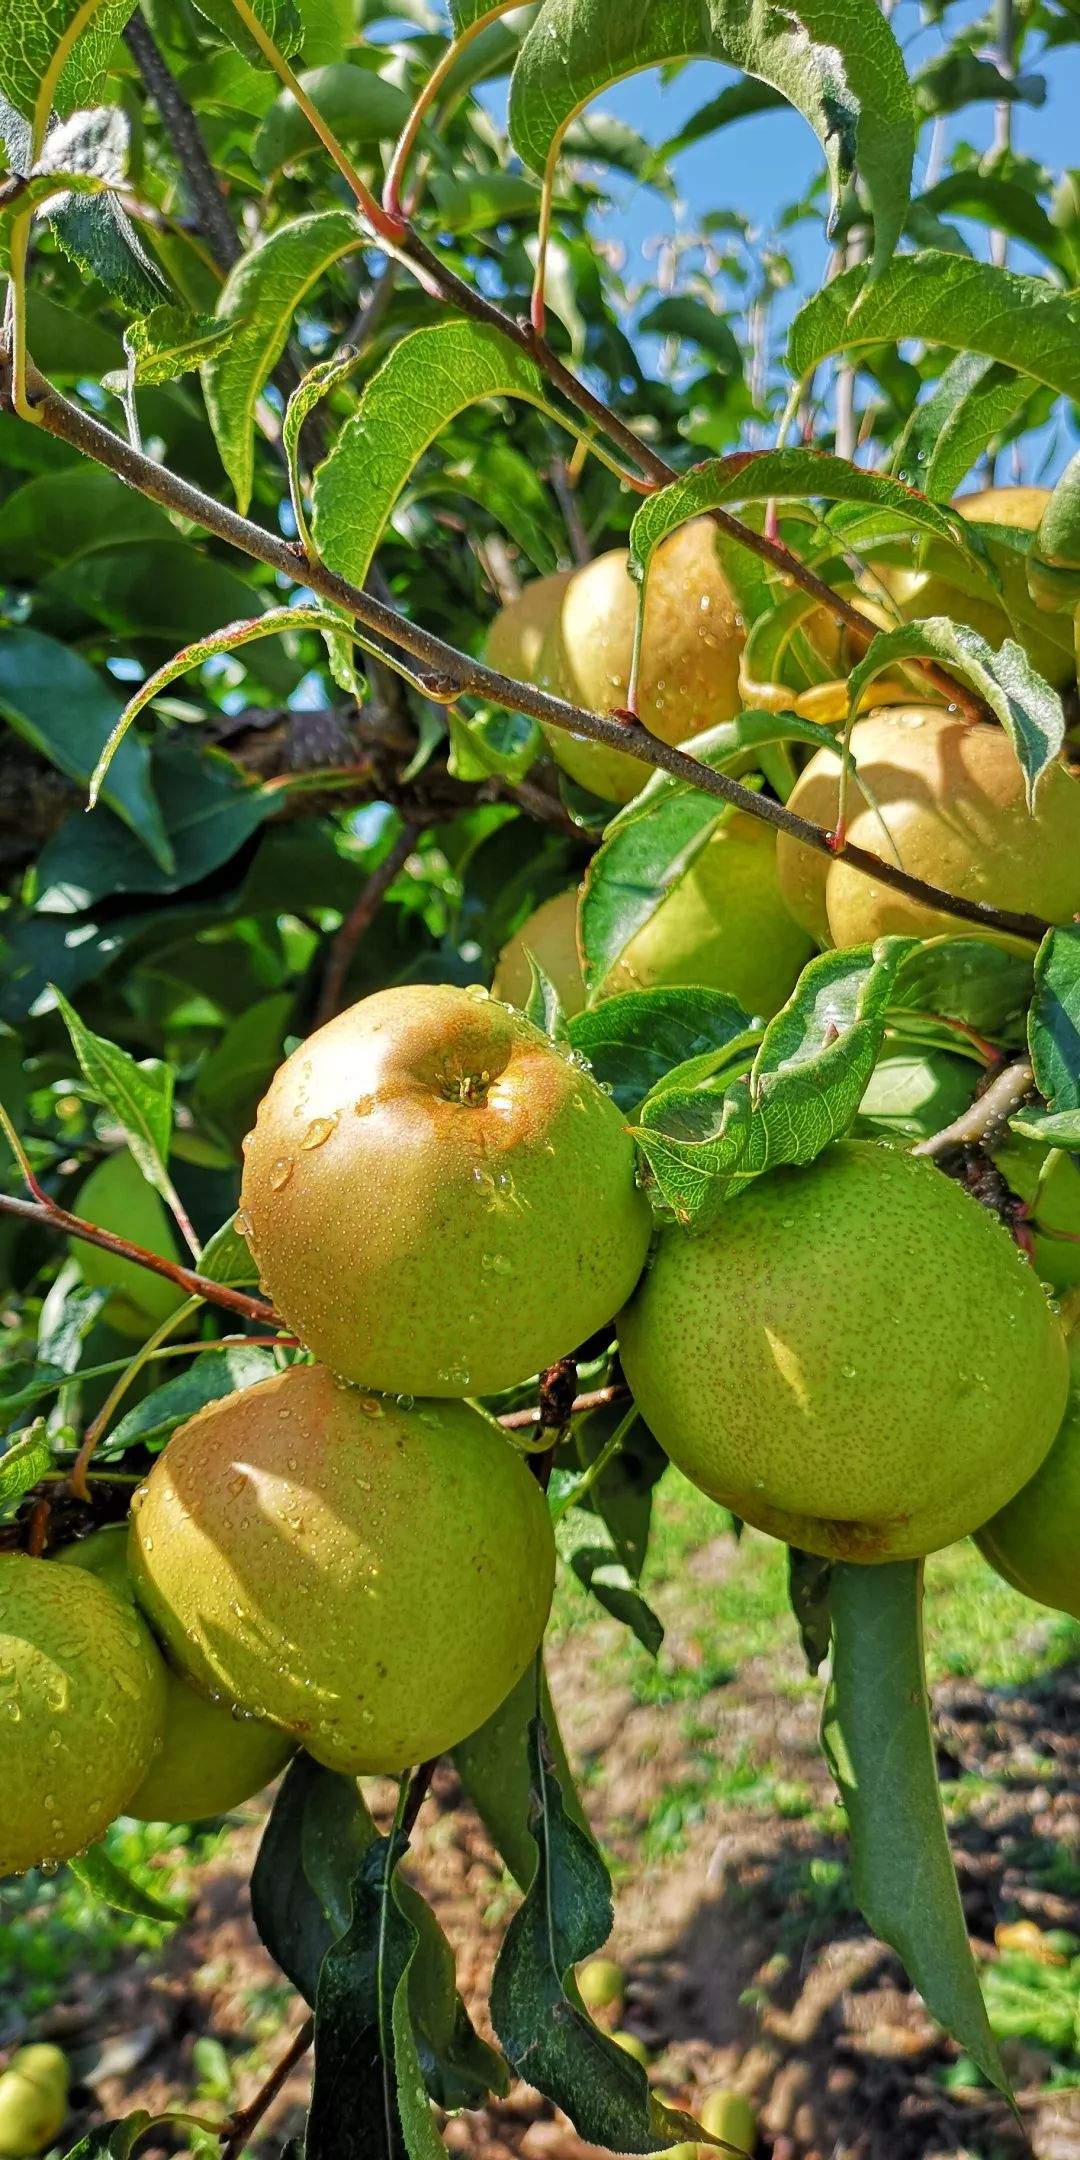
13, 1711
148, 1544
477, 991
242, 1223
405, 1402
318, 1132
281, 1172
247, 1140
369, 1406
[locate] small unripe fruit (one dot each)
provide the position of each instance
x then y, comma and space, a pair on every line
82, 1709
729, 2115
820, 1359
441, 1202
631, 2045
33, 2101
693, 639
373, 1579
601, 1983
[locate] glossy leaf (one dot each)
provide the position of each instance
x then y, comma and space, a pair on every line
226, 1257
809, 1577
428, 379
361, 108
139, 1096
26, 1461
301, 1885
209, 1378
260, 298
58, 703
633, 1041
112, 1885
968, 407
1051, 1128
1029, 710
1054, 1020
980, 981
210, 809
877, 1736
840, 67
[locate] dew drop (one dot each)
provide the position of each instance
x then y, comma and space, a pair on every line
247, 1140
237, 1484
369, 1406
405, 1402
319, 1131
242, 1223
281, 1172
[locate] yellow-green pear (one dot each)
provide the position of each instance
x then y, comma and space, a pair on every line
550, 934
1034, 1541
516, 637
631, 2045
914, 1090
372, 1578
853, 1356
212, 1757
950, 808
693, 639
117, 1197
33, 2101
82, 1710
601, 1983
441, 1202
936, 590
1049, 1181
729, 2115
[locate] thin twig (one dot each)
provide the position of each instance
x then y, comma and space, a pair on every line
182, 129
51, 1217
419, 1787
597, 1399
239, 2127
454, 673
359, 919
987, 1116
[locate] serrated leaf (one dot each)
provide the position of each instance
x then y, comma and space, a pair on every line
169, 342
312, 387
984, 982
56, 53
632, 1042
967, 409
362, 109
429, 378
112, 1885
705, 1143
876, 1732
1051, 1128
840, 67
208, 1379
545, 2035
1029, 710
140, 1096
782, 475
947, 300
57, 702
281, 19
24, 1463
260, 298
1054, 1020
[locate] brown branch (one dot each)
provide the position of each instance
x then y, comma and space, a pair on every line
52, 1217
419, 1788
597, 1399
987, 1116
237, 2130
453, 673
359, 919
182, 129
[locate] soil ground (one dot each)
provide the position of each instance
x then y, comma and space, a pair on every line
745, 1962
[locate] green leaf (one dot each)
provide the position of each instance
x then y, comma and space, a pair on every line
839, 66
281, 19
301, 1884
787, 476
682, 316
429, 378
260, 298
114, 2140
1053, 565
979, 981
974, 400
464, 13
112, 1885
544, 2033
312, 387
234, 1077
361, 108
1054, 1020
600, 1571
1006, 206
502, 744
56, 53
1051, 1128
877, 1736
25, 1462
81, 157
493, 1765
211, 810
632, 1042
170, 342
226, 1257
139, 1096
622, 1497
475, 204
56, 701
968, 306
705, 1142
809, 1577
1029, 710
543, 1006
208, 1379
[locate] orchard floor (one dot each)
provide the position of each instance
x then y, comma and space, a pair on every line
745, 1961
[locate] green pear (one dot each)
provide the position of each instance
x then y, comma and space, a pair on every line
729, 2115
371, 1578
493, 1765
117, 1197
1049, 1181
212, 1757
601, 1984
853, 1356
550, 935
33, 2101
1034, 1541
82, 1709
440, 1201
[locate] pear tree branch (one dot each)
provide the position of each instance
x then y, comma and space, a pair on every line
50, 1216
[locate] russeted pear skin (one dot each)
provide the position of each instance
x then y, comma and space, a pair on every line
854, 1356
950, 808
212, 1758
371, 1578
1034, 1541
82, 1709
692, 643
440, 1202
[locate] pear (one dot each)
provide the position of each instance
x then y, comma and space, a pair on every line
117, 1197
1034, 1541
516, 637
601, 1984
550, 934
82, 1710
729, 2115
853, 1356
693, 640
439, 1200
372, 1578
950, 808
33, 2101
935, 590
211, 1757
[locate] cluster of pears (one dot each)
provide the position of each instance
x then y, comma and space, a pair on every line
348, 1556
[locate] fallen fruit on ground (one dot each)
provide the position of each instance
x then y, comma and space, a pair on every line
211, 1757
818, 1359
601, 1983
82, 1689
441, 1202
33, 2101
371, 1578
1034, 1541
949, 807
689, 676
729, 2115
